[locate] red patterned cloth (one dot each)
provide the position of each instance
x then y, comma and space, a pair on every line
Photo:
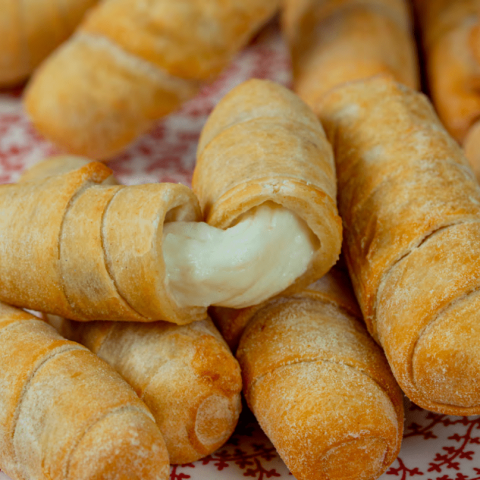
436, 447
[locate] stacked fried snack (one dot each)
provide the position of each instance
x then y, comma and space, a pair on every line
319, 386
185, 374
111, 265
99, 249
31, 30
451, 40
88, 269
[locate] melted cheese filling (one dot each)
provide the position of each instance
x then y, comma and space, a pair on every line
244, 265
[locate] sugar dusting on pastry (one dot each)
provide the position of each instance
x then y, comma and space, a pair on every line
213, 415
66, 413
320, 387
412, 223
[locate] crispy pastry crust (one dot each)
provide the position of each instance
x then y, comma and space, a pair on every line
64, 413
411, 209
318, 384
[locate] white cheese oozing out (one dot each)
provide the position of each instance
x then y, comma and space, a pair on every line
244, 265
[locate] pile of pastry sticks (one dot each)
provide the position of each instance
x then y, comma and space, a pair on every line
323, 376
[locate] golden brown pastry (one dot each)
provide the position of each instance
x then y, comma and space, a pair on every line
318, 384
132, 62
140, 253
451, 40
65, 414
262, 146
85, 251
31, 29
185, 374
411, 211
337, 41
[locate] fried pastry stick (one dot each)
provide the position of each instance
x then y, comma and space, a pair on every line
451, 40
132, 62
66, 414
411, 211
318, 384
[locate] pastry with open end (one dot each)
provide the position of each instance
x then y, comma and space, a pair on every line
185, 374
262, 147
78, 248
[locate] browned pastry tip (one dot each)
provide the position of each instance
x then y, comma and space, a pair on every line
263, 144
411, 210
337, 41
131, 63
57, 165
64, 413
318, 384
